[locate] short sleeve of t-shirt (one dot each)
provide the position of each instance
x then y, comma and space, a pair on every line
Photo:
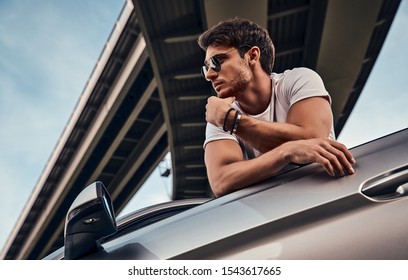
299, 83
213, 133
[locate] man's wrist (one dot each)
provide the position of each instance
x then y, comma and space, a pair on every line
237, 118
227, 118
283, 153
231, 121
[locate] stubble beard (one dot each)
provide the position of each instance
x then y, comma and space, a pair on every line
240, 82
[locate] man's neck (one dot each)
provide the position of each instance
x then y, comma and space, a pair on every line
258, 96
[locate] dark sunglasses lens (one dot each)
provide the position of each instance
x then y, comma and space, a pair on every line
215, 64
204, 71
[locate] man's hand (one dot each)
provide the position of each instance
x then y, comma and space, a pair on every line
216, 109
332, 155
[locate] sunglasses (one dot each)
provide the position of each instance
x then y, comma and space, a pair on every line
215, 62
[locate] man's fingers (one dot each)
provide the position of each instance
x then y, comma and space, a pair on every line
339, 158
231, 99
344, 156
332, 162
216, 109
327, 165
343, 148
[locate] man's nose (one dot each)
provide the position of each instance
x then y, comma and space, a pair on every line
211, 74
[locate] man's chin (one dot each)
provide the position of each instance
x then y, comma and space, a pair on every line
223, 94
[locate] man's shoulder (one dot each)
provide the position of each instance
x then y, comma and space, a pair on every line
298, 75
297, 71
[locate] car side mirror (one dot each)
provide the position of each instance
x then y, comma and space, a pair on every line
89, 218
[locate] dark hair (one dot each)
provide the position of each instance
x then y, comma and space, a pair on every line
239, 32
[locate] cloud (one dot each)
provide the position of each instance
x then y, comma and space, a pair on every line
47, 53
15, 190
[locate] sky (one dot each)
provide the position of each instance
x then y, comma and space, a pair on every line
48, 49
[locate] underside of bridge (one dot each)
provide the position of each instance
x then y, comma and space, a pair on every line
146, 97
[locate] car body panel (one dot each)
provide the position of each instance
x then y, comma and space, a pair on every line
300, 214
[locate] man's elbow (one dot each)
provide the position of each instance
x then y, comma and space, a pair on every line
220, 188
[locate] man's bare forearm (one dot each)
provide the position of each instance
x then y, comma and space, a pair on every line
265, 136
228, 173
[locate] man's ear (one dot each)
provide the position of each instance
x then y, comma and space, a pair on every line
254, 54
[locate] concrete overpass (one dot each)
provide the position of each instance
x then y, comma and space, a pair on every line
145, 97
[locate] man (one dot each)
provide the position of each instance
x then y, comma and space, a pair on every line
261, 121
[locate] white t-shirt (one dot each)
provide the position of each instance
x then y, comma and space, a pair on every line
289, 87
